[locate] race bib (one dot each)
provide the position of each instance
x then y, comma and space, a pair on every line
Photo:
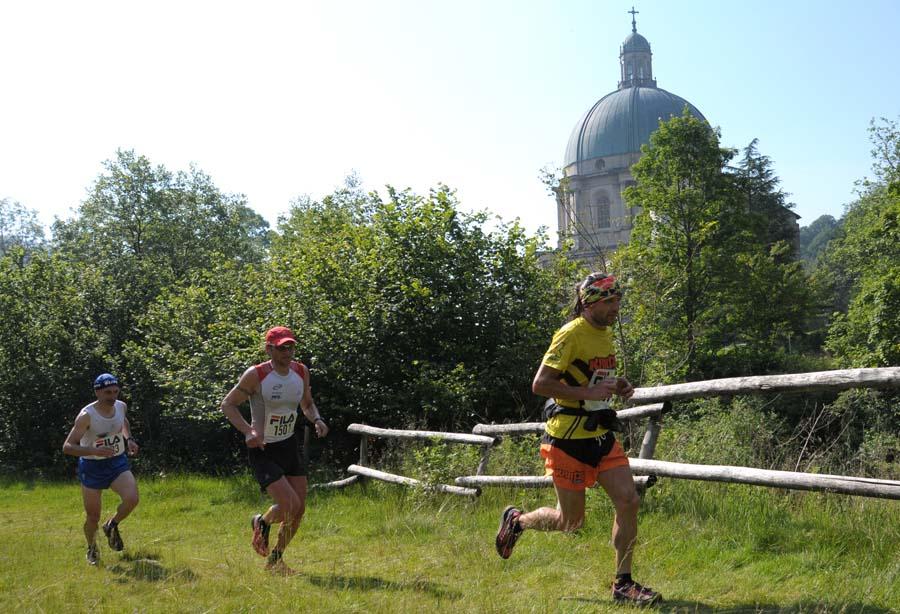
116, 441
281, 425
596, 378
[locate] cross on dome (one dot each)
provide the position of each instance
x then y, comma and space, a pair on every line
633, 22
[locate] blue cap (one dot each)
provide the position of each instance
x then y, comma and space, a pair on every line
105, 380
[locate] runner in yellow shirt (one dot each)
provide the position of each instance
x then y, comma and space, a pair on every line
578, 446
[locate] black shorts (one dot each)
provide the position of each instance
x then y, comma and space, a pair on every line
276, 460
588, 451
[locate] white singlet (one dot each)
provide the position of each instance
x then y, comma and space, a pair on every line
277, 398
104, 432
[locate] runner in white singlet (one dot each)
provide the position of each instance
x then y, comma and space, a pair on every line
101, 438
275, 389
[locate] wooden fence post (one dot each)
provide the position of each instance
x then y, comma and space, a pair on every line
485, 456
648, 445
654, 423
364, 450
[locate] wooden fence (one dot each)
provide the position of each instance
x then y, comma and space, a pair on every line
361, 470
658, 401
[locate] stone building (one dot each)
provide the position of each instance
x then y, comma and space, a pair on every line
604, 144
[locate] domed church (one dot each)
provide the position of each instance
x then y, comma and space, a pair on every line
604, 144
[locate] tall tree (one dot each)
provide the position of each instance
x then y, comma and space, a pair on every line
863, 262
708, 295
766, 203
19, 227
670, 260
815, 238
408, 310
146, 228
48, 353
143, 229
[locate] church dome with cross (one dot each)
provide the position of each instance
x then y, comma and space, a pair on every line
603, 146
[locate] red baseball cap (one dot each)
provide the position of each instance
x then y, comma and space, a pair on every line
279, 336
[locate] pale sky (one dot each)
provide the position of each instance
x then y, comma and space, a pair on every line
280, 99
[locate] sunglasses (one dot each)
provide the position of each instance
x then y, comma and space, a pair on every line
287, 347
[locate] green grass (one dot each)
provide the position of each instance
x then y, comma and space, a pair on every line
379, 548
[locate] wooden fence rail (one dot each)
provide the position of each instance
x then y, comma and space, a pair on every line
523, 428
647, 471
658, 402
364, 429
533, 481
405, 481
664, 395
887, 377
847, 485
362, 471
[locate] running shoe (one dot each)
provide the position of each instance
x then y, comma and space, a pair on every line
111, 530
508, 532
632, 592
93, 554
260, 535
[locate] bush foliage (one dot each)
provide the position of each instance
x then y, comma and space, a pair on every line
412, 311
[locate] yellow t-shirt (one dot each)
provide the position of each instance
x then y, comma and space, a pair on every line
579, 351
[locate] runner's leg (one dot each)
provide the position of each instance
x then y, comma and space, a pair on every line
289, 506
290, 524
567, 516
92, 505
126, 487
273, 514
619, 485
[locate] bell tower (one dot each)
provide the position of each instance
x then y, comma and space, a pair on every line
635, 59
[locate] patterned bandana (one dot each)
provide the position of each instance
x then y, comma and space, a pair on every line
602, 289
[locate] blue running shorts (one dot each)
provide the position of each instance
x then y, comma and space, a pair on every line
100, 473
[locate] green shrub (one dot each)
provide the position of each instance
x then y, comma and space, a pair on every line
516, 455
715, 431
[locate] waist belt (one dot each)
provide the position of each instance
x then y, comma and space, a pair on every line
602, 417
552, 408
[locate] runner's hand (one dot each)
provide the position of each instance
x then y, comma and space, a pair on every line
624, 388
133, 447
104, 452
254, 440
602, 390
321, 428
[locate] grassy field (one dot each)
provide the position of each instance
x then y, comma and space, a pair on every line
378, 548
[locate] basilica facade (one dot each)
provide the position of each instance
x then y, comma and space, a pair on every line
603, 146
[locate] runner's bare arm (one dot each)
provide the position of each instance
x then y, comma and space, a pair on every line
308, 406
238, 395
547, 384
126, 425
132, 445
72, 445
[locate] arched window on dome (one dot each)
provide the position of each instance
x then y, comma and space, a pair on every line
600, 216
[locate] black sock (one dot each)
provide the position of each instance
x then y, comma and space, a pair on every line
623, 578
274, 557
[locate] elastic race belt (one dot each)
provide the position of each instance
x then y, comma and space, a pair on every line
601, 417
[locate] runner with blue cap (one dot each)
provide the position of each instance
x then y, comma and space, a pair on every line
101, 439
